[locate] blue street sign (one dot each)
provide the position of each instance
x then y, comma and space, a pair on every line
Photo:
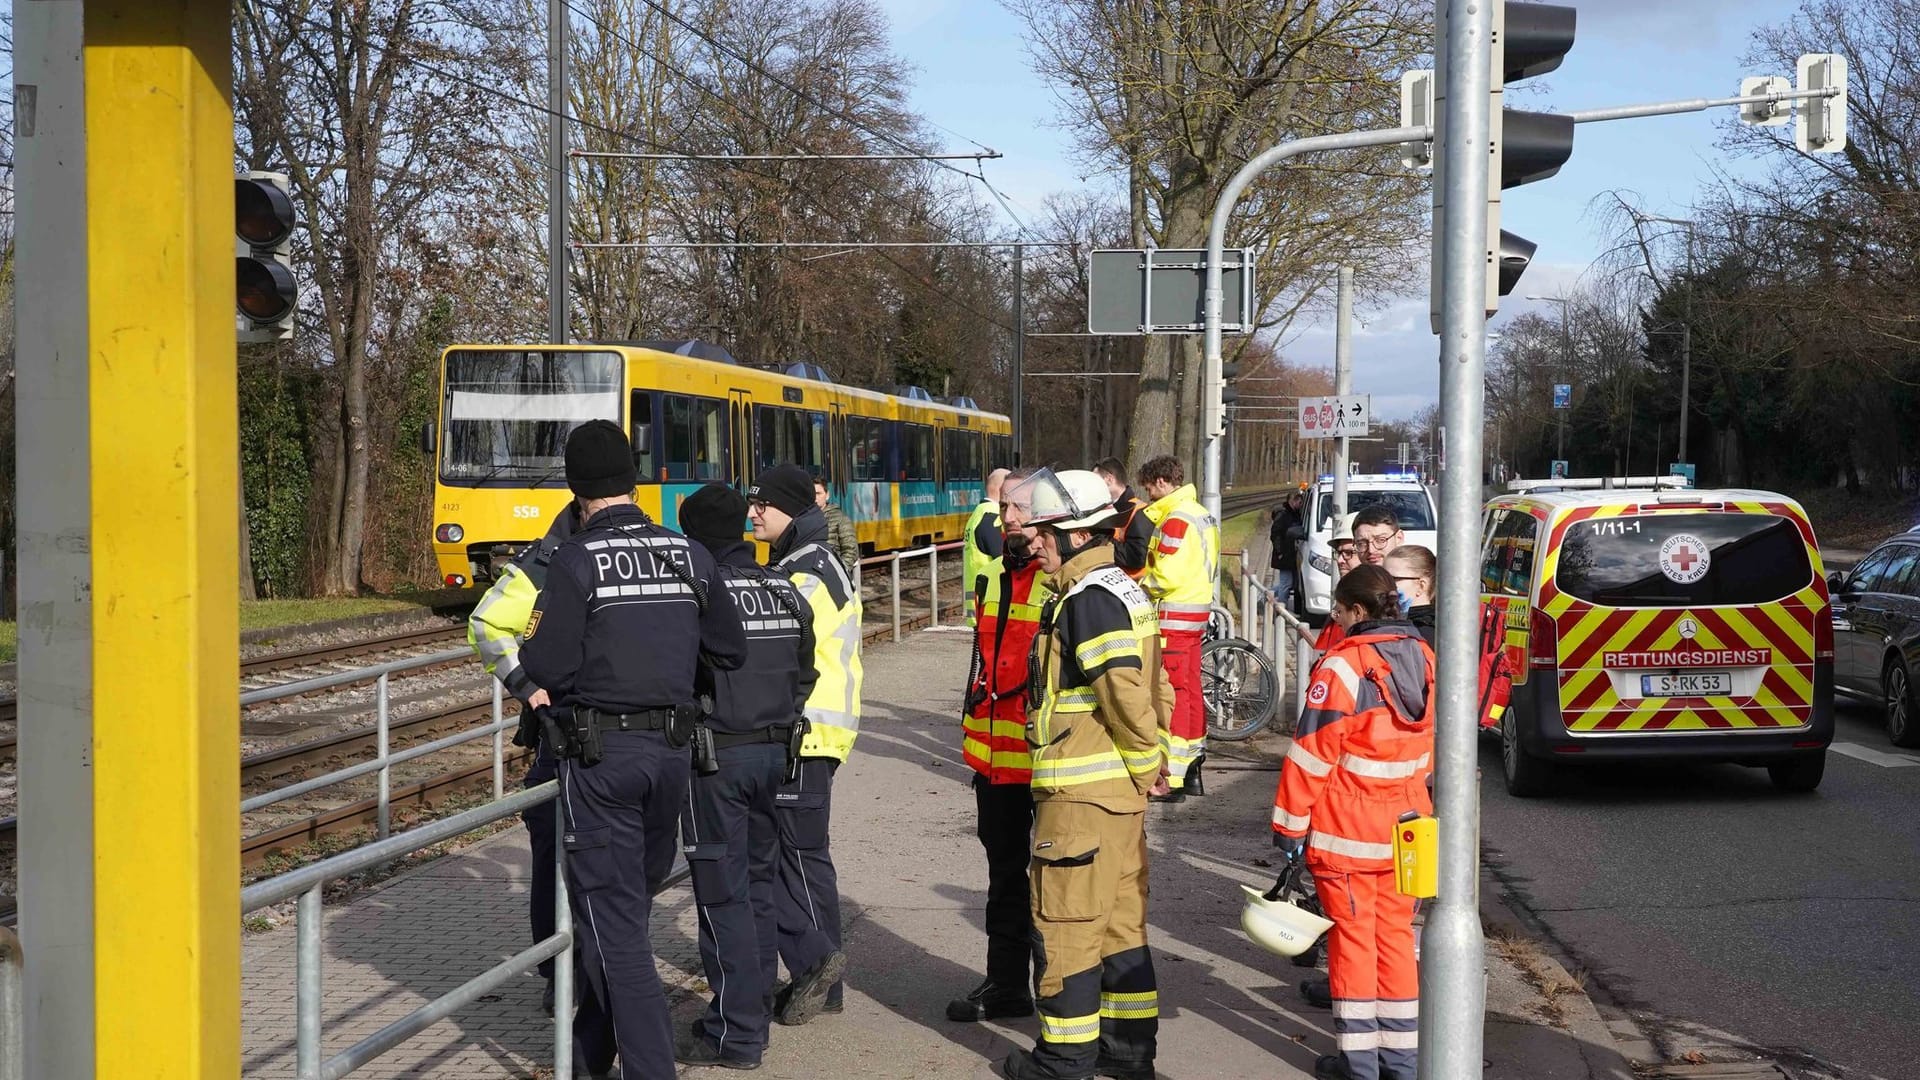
1563, 395
1686, 469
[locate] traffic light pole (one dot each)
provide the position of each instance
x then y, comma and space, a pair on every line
1342, 381
1453, 992
1214, 297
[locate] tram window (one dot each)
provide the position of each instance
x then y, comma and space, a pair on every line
867, 448
916, 461
786, 437
641, 434
695, 438
817, 444
962, 456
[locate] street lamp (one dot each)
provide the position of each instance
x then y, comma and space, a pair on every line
1566, 360
1686, 330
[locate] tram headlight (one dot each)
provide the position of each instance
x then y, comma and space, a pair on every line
449, 534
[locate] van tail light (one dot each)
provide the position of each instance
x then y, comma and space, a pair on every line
1823, 635
1543, 640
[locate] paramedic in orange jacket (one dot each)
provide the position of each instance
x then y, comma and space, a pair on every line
1360, 758
1006, 603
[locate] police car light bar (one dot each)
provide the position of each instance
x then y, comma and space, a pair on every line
1597, 483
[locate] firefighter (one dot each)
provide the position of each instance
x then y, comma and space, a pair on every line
1135, 531
494, 630
1097, 710
1182, 562
994, 743
728, 831
807, 895
982, 542
624, 621
1361, 756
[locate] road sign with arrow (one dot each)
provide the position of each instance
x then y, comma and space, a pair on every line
1335, 417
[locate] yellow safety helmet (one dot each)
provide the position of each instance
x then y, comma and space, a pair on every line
1277, 923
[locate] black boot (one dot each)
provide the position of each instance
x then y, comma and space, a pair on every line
1331, 1067
806, 997
990, 1001
1115, 1069
1020, 1065
703, 1051
1194, 784
1318, 992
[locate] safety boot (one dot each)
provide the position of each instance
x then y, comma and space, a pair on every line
702, 1051
1331, 1067
1318, 992
990, 1001
1020, 1065
1194, 784
1115, 1069
806, 996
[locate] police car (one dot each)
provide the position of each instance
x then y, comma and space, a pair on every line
1404, 494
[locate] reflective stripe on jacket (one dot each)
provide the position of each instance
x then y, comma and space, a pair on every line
1098, 696
834, 706
975, 560
1363, 749
1182, 561
995, 725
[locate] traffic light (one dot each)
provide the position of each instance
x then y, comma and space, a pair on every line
1229, 371
264, 289
1528, 40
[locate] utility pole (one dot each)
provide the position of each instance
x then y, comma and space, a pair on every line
1342, 381
1019, 353
558, 304
1686, 335
1566, 367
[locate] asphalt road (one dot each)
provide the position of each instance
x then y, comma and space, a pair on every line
1703, 902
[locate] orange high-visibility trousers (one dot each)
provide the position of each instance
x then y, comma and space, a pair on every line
1373, 977
1187, 730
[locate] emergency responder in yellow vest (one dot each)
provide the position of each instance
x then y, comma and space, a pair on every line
807, 894
1098, 706
994, 743
983, 540
494, 630
1182, 562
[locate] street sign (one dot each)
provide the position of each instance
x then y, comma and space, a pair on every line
1335, 417
1159, 291
1562, 396
1686, 469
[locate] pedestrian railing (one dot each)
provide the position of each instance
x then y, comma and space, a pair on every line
1273, 627
931, 553
384, 758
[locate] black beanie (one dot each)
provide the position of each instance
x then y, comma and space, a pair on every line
714, 517
788, 489
600, 461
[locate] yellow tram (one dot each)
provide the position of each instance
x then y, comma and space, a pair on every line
906, 466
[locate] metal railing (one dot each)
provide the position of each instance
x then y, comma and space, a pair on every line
307, 883
1270, 625
384, 758
12, 1008
893, 560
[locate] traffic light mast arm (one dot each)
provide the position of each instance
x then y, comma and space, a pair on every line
1669, 108
1213, 297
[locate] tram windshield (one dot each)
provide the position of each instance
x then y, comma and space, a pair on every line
508, 413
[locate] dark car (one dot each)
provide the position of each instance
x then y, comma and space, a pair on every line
1876, 633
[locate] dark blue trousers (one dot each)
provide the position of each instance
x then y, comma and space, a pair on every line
622, 822
539, 821
733, 849
807, 897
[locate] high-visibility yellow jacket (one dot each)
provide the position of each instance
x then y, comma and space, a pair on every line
1182, 561
499, 620
980, 546
833, 709
1098, 698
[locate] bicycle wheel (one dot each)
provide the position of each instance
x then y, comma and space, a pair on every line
1239, 686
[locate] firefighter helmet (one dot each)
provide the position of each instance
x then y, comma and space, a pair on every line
1073, 499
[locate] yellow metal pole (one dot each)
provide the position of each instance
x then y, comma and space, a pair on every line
163, 439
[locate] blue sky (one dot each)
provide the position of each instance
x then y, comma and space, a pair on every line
974, 78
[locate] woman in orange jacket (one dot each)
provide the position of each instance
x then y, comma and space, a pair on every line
1360, 759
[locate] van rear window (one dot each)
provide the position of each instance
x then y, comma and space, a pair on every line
1410, 508
1683, 560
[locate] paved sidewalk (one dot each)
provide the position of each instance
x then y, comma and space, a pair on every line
913, 880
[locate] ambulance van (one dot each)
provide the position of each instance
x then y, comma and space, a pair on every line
1649, 624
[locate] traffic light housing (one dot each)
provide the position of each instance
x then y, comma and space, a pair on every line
265, 293
1229, 371
1528, 40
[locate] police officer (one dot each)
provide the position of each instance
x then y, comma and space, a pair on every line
780, 505
740, 761
628, 613
1098, 706
494, 631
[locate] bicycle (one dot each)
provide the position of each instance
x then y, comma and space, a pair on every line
1237, 681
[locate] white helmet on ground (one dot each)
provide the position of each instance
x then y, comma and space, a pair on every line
1276, 920
1073, 499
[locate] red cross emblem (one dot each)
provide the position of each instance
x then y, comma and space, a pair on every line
1684, 558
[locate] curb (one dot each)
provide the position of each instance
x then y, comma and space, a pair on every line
1598, 1048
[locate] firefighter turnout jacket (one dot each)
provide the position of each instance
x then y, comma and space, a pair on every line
1098, 699
771, 688
1363, 749
1182, 560
501, 616
1008, 618
833, 708
626, 616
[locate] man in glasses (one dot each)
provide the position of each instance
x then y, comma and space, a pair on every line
1376, 531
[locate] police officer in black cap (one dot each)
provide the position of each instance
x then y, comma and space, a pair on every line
630, 610
740, 760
